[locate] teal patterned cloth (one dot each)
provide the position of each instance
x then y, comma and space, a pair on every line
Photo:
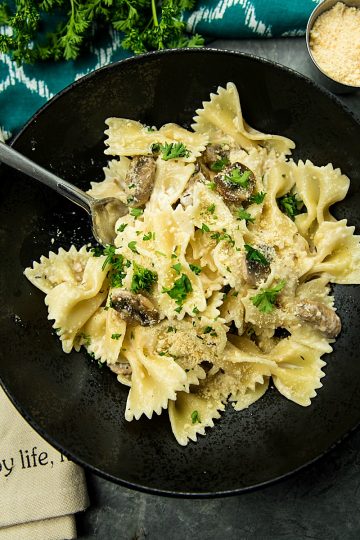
24, 89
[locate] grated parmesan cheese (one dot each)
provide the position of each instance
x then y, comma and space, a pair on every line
335, 43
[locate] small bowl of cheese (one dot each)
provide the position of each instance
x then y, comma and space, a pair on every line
333, 42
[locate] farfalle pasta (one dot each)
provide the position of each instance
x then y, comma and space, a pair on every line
219, 279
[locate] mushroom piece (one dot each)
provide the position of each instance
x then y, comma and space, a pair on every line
320, 316
235, 183
140, 179
134, 308
255, 271
214, 153
121, 368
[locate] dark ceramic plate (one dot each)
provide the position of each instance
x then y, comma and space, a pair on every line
80, 408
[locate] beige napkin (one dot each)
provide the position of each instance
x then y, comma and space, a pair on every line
40, 489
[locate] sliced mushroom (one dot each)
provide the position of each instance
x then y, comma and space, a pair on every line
320, 316
255, 271
214, 153
134, 308
230, 188
140, 179
121, 368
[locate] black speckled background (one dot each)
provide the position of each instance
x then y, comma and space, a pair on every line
321, 502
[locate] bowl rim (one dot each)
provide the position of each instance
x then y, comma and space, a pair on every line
318, 10
28, 417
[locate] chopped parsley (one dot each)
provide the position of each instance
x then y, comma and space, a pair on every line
218, 165
258, 198
122, 227
142, 279
177, 268
211, 208
253, 254
243, 214
116, 336
211, 185
196, 310
132, 246
116, 262
238, 177
195, 268
180, 289
149, 236
209, 330
195, 417
205, 228
171, 150
171, 329
265, 300
136, 212
223, 236
290, 205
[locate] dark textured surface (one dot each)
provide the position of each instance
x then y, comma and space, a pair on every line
320, 502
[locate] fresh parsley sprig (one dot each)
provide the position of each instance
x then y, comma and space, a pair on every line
144, 26
266, 299
255, 255
142, 279
180, 289
291, 205
239, 178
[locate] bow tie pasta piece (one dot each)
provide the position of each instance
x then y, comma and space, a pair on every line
191, 414
72, 304
318, 188
131, 138
337, 253
222, 116
299, 365
103, 335
171, 179
155, 378
113, 184
64, 266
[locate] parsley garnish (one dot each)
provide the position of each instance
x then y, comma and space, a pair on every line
266, 299
148, 236
172, 150
257, 198
116, 262
86, 339
211, 185
211, 208
177, 268
142, 279
253, 254
242, 214
209, 330
218, 165
196, 310
290, 205
195, 268
122, 227
143, 26
195, 417
223, 236
132, 246
136, 212
239, 178
205, 228
116, 336
180, 289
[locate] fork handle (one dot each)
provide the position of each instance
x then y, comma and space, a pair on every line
18, 161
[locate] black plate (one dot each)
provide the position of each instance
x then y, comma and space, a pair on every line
80, 408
